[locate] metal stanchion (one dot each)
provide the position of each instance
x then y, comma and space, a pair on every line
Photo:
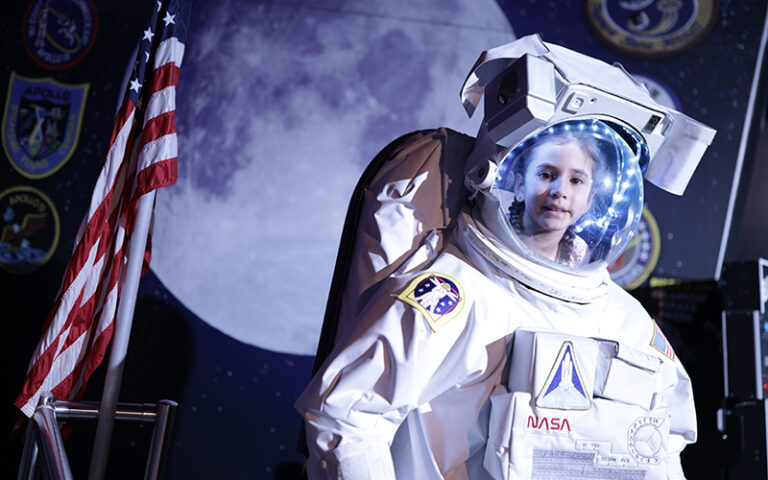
164, 419
29, 453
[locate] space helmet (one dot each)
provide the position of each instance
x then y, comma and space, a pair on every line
569, 196
556, 174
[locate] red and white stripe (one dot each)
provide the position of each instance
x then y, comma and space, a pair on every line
139, 160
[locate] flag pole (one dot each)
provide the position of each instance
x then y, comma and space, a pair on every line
121, 336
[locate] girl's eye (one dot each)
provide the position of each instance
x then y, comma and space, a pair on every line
577, 181
545, 175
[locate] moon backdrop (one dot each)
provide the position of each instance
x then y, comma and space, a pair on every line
281, 107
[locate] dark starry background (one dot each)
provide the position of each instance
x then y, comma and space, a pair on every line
235, 418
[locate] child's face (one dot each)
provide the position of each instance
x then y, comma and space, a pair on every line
557, 187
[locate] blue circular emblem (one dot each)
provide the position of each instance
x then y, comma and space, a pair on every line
438, 294
438, 297
59, 33
652, 28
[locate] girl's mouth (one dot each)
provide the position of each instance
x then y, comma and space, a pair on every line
555, 209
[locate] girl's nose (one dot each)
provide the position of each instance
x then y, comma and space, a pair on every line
557, 188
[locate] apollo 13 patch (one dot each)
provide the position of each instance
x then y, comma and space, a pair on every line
41, 124
652, 28
438, 297
564, 388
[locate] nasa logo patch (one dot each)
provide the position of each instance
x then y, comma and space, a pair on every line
59, 33
41, 124
635, 265
29, 229
652, 28
438, 297
645, 440
564, 388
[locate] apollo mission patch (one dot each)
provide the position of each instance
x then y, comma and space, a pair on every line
651, 28
29, 229
59, 33
41, 124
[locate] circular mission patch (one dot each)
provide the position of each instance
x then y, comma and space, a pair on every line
635, 265
59, 33
29, 230
651, 28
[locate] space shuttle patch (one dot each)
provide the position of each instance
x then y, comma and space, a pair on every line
564, 388
438, 297
660, 342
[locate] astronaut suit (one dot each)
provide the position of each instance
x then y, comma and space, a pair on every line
480, 354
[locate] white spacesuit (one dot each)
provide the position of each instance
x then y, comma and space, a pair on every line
499, 347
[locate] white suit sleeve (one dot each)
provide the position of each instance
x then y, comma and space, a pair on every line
677, 395
682, 414
640, 331
389, 365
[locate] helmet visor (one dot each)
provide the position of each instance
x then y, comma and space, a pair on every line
572, 195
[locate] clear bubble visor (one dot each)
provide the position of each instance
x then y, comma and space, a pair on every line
572, 195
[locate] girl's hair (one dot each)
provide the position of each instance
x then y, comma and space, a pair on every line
583, 139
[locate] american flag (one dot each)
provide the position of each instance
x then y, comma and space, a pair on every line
142, 157
660, 343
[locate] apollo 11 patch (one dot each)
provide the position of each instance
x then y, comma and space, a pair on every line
438, 297
29, 229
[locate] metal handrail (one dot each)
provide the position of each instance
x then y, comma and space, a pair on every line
132, 412
43, 440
